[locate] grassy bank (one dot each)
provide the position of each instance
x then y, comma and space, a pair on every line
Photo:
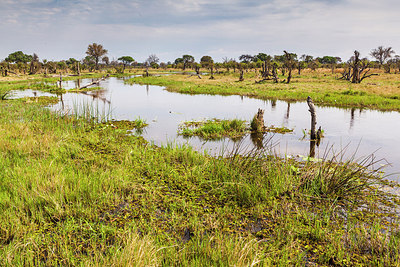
377, 92
73, 192
40, 82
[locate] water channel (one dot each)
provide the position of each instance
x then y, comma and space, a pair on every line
360, 132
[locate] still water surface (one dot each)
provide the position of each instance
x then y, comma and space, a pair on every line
361, 131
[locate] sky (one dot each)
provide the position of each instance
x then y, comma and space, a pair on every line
61, 29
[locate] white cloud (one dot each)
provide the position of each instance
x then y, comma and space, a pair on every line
63, 29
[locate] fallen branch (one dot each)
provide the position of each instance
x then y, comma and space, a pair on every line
94, 82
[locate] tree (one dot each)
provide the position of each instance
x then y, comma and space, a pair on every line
228, 63
396, 62
178, 60
208, 62
205, 61
153, 60
331, 61
266, 64
71, 61
89, 62
382, 54
357, 69
307, 58
289, 64
35, 64
106, 60
96, 51
246, 58
18, 57
126, 60
187, 60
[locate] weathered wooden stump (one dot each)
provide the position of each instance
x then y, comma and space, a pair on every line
257, 124
313, 117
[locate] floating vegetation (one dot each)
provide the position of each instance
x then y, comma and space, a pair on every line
87, 89
127, 125
214, 128
280, 130
41, 100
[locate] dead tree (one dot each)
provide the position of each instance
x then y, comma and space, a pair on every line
313, 117
95, 82
212, 72
77, 68
60, 80
290, 63
197, 69
357, 69
275, 72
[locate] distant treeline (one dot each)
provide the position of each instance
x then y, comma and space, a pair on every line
96, 59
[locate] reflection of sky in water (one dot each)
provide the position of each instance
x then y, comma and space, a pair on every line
364, 132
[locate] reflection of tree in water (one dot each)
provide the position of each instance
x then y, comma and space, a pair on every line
99, 94
258, 140
147, 89
352, 117
61, 100
236, 140
273, 104
287, 114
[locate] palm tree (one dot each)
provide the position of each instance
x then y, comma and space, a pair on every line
96, 51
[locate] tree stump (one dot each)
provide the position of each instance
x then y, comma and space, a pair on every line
313, 117
257, 124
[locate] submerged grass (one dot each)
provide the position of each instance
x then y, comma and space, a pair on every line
378, 92
74, 192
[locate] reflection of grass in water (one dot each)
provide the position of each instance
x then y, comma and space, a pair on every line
214, 129
91, 111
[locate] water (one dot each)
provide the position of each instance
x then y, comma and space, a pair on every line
359, 131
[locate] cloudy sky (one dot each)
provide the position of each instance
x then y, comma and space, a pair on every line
60, 29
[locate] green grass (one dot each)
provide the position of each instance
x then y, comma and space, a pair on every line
75, 192
79, 190
379, 92
214, 128
218, 129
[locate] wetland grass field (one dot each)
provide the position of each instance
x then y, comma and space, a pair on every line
77, 192
381, 92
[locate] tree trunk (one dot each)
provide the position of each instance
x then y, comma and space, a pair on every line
289, 76
95, 82
241, 79
60, 80
212, 73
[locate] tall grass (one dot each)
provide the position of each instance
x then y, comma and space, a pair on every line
92, 111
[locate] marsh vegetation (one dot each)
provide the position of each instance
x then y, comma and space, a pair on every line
87, 188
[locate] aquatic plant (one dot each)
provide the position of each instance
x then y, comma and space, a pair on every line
214, 128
